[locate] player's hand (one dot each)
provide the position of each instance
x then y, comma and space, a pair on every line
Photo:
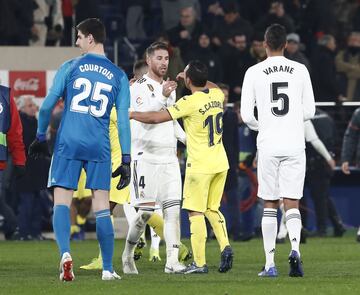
168, 87
345, 168
124, 171
38, 149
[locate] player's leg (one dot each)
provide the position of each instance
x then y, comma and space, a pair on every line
268, 190
130, 214
217, 220
196, 188
282, 228
291, 183
136, 229
64, 185
61, 225
100, 187
154, 254
142, 193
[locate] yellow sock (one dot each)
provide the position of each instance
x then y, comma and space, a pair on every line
157, 223
74, 229
218, 225
80, 220
198, 238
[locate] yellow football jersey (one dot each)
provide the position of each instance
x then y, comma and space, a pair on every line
202, 114
114, 140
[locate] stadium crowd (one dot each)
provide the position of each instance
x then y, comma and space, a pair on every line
227, 36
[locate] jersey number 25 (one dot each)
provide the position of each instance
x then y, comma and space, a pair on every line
96, 96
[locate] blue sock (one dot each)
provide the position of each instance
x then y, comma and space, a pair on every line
61, 225
105, 236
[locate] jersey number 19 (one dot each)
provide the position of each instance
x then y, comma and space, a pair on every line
214, 124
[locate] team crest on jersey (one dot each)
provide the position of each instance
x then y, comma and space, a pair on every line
151, 88
139, 101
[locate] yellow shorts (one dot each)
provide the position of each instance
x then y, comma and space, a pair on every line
116, 196
119, 196
82, 192
203, 191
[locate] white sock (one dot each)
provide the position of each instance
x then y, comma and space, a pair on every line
358, 232
282, 229
130, 212
172, 230
269, 231
136, 229
293, 224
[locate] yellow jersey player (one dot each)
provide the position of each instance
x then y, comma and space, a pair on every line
207, 163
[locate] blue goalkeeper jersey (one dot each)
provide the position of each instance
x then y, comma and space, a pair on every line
90, 86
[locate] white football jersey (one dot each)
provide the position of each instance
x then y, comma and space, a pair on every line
282, 92
154, 143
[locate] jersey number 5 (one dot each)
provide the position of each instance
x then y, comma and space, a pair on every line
209, 121
96, 96
276, 96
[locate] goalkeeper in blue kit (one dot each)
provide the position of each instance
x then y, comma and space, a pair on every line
90, 86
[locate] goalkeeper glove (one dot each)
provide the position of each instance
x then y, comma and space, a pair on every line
124, 171
39, 148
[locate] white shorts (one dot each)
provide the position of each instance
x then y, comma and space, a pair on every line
281, 177
155, 183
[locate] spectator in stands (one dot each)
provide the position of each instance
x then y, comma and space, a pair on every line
204, 52
43, 19
34, 181
236, 59
11, 140
171, 11
67, 12
348, 65
135, 19
231, 145
231, 24
277, 15
16, 22
324, 75
293, 52
320, 169
257, 49
186, 34
351, 147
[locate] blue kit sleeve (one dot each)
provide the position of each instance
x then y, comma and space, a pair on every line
55, 92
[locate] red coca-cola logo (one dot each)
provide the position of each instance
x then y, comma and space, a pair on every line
28, 83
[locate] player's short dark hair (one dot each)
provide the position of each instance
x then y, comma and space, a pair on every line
156, 46
94, 27
198, 73
223, 86
139, 64
275, 37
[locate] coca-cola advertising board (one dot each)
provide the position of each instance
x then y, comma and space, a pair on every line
27, 82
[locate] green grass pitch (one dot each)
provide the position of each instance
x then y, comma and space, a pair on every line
331, 265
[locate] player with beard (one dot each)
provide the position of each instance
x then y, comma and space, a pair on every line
156, 180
